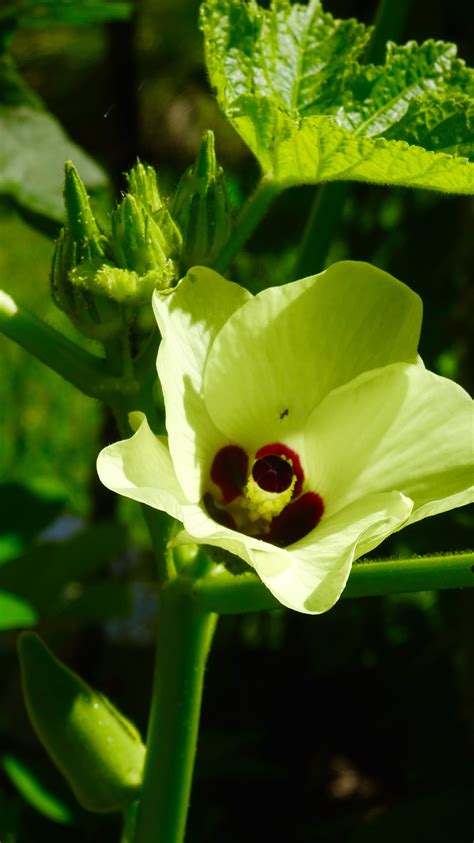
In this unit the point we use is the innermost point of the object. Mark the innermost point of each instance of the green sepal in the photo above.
(80, 221)
(95, 747)
(124, 285)
(95, 319)
(201, 207)
(145, 245)
(143, 185)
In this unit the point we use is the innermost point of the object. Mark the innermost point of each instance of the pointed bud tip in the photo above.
(206, 162)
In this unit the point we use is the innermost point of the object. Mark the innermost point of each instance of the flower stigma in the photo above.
(265, 501)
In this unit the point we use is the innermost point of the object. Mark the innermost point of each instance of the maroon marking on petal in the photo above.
(272, 473)
(229, 471)
(283, 451)
(222, 517)
(296, 520)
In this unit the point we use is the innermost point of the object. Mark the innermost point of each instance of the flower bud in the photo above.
(143, 185)
(80, 221)
(98, 751)
(80, 242)
(201, 207)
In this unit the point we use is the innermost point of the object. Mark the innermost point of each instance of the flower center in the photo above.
(267, 501)
(273, 473)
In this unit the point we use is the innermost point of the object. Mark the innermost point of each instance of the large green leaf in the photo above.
(315, 149)
(297, 56)
(290, 80)
(33, 150)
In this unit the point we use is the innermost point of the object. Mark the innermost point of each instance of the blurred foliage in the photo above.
(352, 726)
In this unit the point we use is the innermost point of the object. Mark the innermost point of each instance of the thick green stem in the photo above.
(74, 364)
(251, 214)
(227, 594)
(184, 636)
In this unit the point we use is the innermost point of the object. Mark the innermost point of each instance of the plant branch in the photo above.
(84, 370)
(322, 222)
(251, 214)
(228, 594)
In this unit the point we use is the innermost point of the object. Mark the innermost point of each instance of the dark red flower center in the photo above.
(275, 469)
(229, 471)
(273, 473)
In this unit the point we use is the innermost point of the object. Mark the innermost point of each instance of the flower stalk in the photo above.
(225, 593)
(184, 637)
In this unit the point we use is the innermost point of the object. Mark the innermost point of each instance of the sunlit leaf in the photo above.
(315, 149)
(292, 82)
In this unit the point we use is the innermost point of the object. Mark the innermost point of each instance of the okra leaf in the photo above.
(292, 81)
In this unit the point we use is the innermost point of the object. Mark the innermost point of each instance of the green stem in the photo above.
(228, 594)
(251, 214)
(74, 364)
(388, 26)
(322, 222)
(184, 636)
(129, 822)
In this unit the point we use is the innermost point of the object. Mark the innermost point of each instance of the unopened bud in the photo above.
(201, 207)
(143, 185)
(95, 747)
(80, 221)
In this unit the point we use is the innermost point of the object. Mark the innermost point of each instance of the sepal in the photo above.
(201, 207)
(143, 185)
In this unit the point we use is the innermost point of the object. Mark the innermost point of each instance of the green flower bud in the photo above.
(144, 245)
(80, 242)
(143, 185)
(201, 207)
(80, 221)
(98, 751)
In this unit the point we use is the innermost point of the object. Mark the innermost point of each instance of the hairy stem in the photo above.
(84, 370)
(227, 594)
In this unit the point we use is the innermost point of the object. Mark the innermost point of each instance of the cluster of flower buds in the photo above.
(148, 246)
(201, 207)
(92, 274)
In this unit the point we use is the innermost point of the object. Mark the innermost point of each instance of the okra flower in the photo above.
(302, 427)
